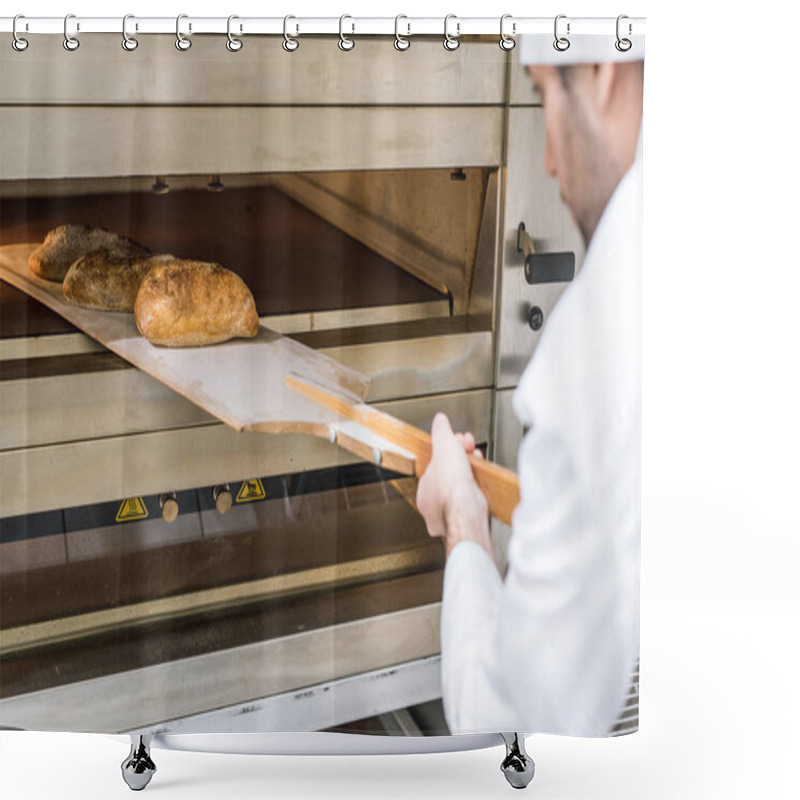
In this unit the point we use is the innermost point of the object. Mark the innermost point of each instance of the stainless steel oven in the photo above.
(372, 201)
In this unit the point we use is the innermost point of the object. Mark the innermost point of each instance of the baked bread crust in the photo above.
(106, 281)
(194, 303)
(67, 243)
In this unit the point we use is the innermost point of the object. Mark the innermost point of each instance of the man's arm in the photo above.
(448, 498)
(550, 648)
(455, 509)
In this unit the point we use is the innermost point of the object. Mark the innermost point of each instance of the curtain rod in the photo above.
(298, 26)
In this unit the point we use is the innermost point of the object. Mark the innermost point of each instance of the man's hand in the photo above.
(447, 496)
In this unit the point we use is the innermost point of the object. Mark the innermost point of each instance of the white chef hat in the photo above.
(586, 48)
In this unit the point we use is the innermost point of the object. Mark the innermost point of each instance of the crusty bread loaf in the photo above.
(191, 303)
(67, 243)
(108, 282)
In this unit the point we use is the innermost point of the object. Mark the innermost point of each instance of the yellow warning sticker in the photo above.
(131, 509)
(250, 491)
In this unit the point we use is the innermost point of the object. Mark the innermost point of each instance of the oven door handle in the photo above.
(544, 267)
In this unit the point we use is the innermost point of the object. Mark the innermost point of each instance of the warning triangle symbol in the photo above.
(131, 509)
(250, 491)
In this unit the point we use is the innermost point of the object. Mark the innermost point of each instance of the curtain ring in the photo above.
(70, 42)
(451, 43)
(561, 43)
(233, 44)
(506, 42)
(181, 42)
(345, 42)
(290, 43)
(400, 42)
(129, 43)
(18, 43)
(623, 45)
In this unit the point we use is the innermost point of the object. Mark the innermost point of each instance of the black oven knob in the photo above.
(535, 318)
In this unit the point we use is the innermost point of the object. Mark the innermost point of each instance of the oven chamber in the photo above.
(371, 200)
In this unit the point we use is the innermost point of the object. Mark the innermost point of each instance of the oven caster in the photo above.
(517, 766)
(138, 768)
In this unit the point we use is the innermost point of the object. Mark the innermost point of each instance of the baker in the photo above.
(552, 646)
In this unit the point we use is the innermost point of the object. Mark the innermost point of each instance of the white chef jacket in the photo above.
(551, 648)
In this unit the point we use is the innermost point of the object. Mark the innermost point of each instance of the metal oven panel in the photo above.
(140, 699)
(261, 73)
(321, 576)
(96, 470)
(533, 198)
(105, 142)
(258, 110)
(100, 396)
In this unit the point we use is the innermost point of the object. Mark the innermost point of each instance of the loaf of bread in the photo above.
(67, 243)
(106, 281)
(192, 303)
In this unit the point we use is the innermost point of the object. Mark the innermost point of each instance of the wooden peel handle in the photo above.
(499, 485)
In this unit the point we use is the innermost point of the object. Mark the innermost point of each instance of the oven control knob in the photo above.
(223, 499)
(535, 318)
(169, 506)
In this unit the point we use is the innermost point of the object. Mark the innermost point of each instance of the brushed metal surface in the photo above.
(262, 73)
(144, 698)
(533, 198)
(324, 705)
(96, 470)
(90, 141)
(506, 429)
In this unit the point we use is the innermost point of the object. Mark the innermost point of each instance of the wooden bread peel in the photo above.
(240, 382)
(248, 383)
(499, 485)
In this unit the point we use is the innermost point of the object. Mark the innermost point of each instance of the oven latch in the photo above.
(544, 267)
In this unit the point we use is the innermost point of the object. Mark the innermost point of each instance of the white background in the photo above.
(721, 482)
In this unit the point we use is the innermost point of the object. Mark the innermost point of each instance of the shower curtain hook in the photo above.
(233, 44)
(450, 42)
(400, 42)
(561, 43)
(506, 42)
(623, 45)
(290, 43)
(345, 42)
(70, 42)
(181, 42)
(129, 43)
(18, 43)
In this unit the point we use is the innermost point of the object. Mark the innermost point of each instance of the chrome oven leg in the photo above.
(138, 768)
(518, 766)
